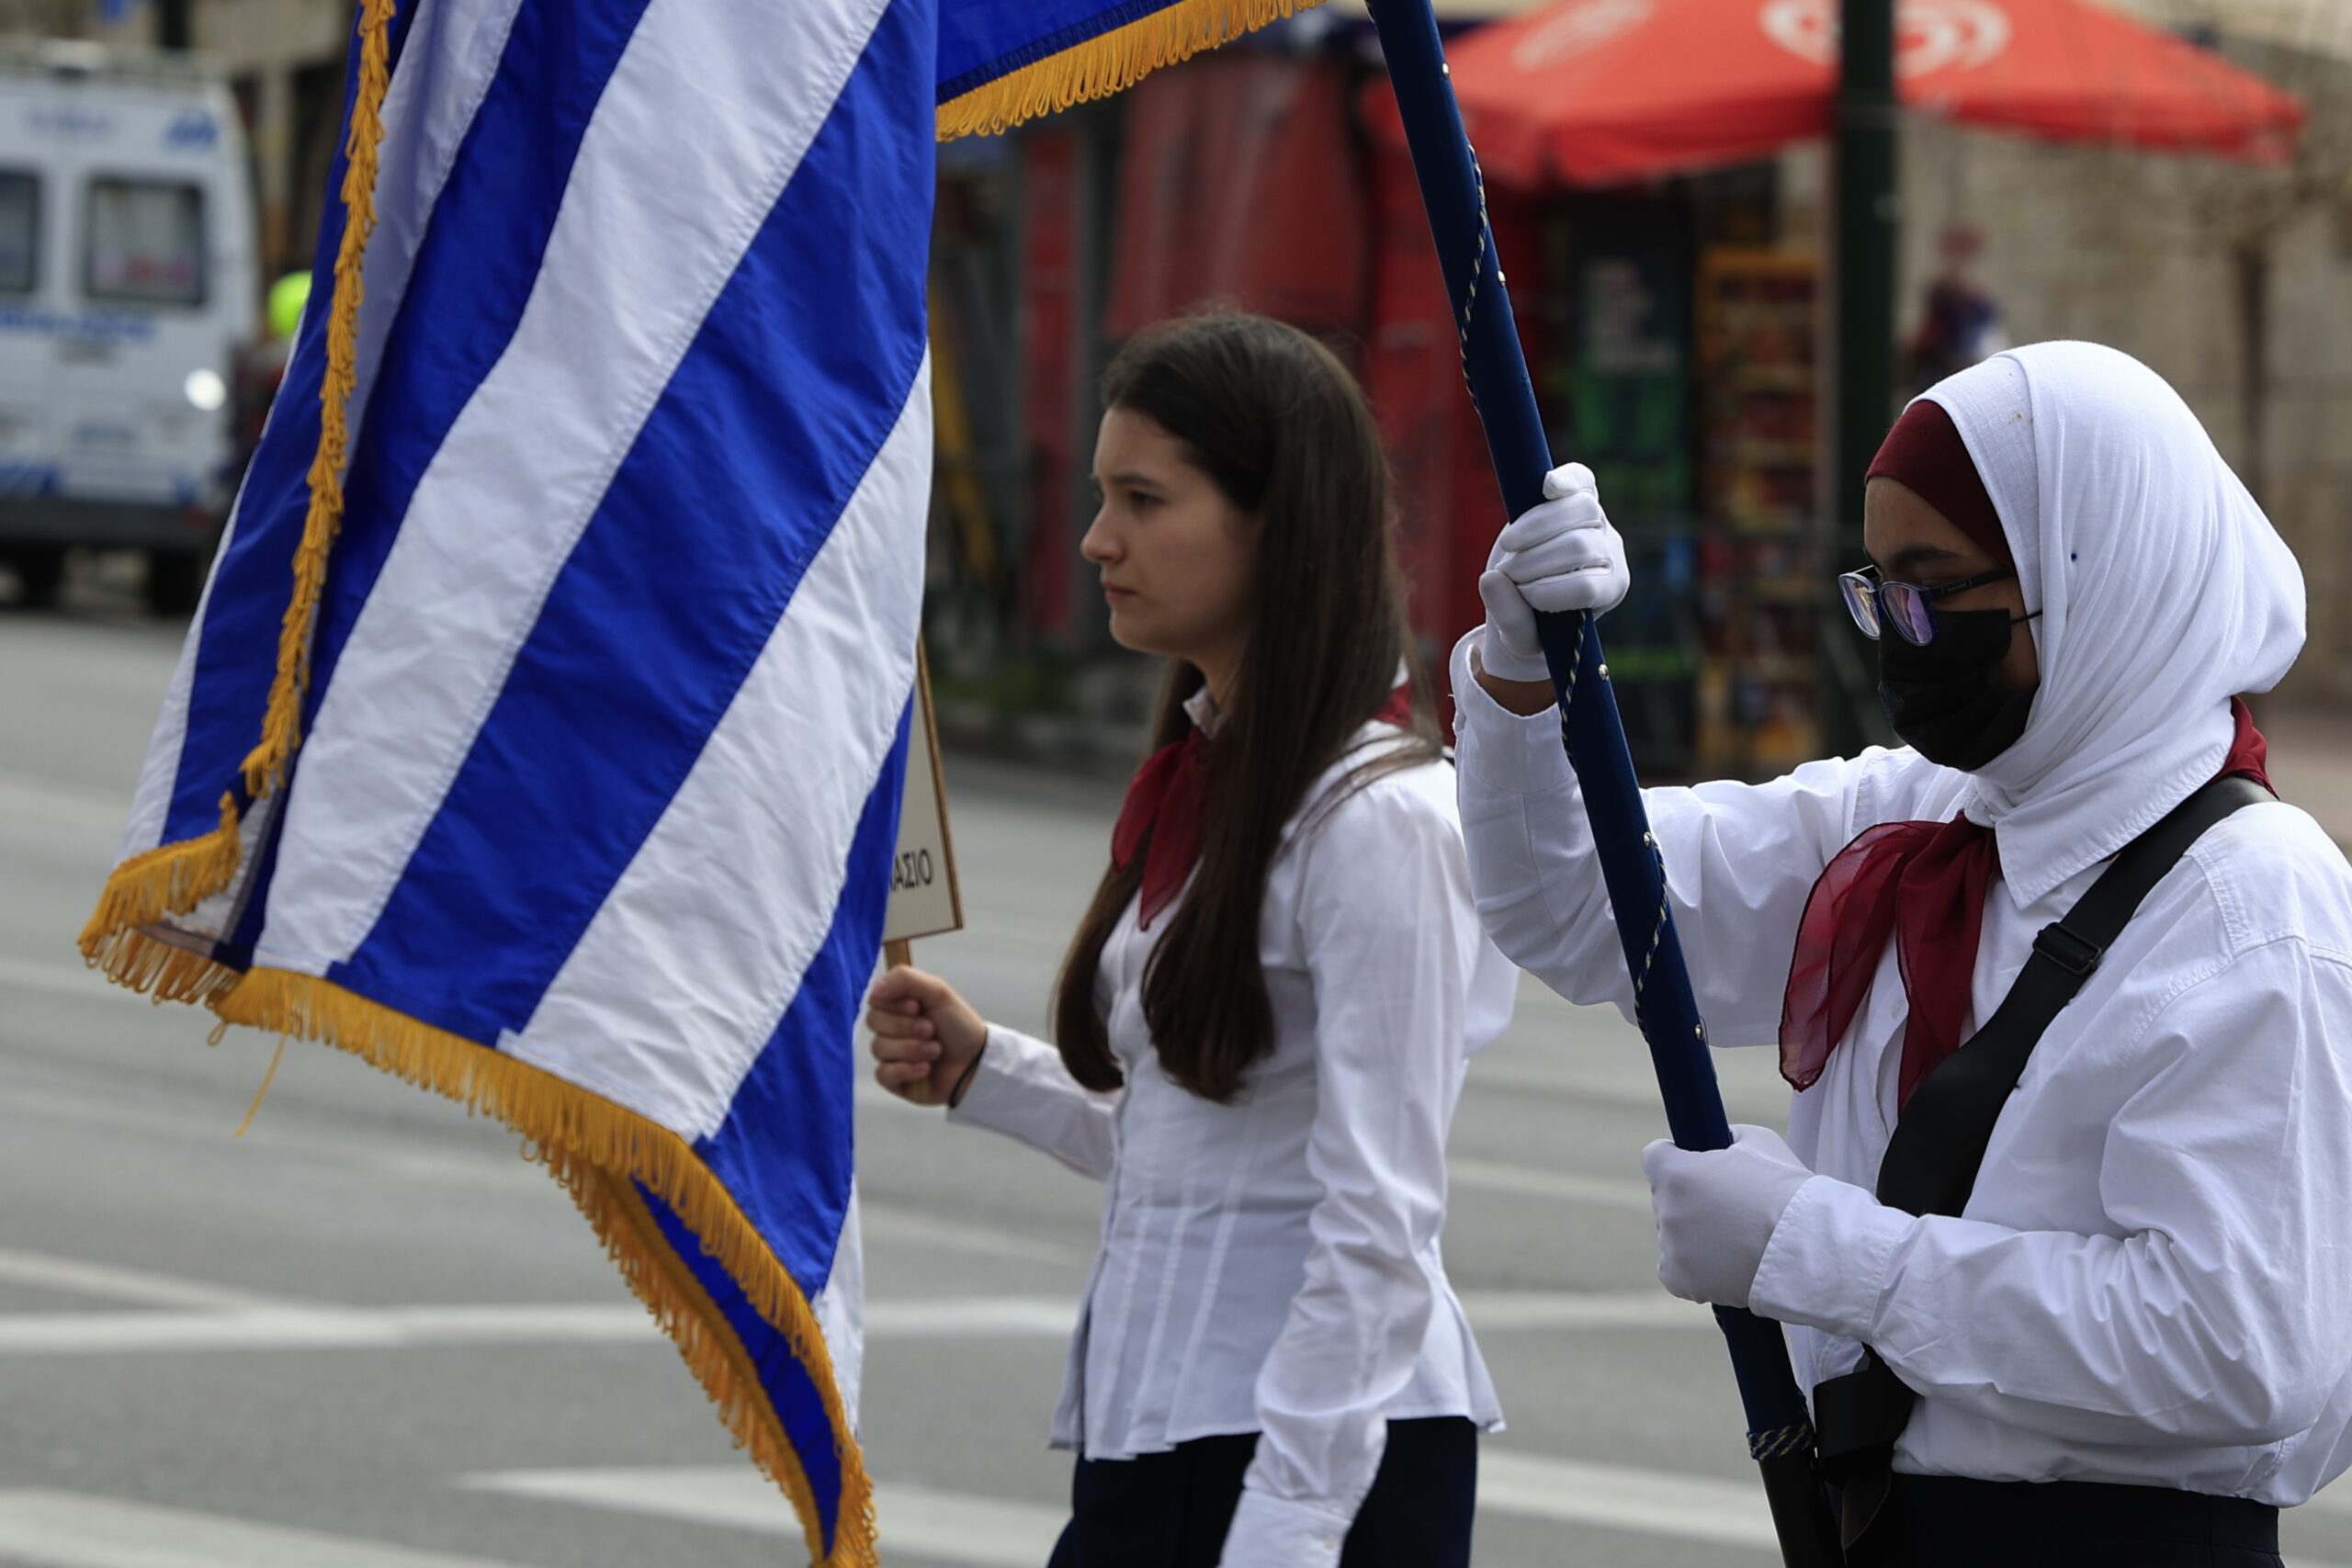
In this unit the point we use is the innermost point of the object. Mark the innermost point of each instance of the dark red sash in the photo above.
(1924, 884)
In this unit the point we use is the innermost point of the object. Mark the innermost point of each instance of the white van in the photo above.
(128, 292)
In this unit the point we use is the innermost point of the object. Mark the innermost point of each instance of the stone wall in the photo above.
(2152, 254)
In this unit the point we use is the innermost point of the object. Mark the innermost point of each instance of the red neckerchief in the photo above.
(1163, 810)
(1924, 882)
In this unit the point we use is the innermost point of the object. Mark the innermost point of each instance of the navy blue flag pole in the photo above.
(1779, 1433)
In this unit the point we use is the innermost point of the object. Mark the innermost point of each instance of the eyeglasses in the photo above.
(1909, 607)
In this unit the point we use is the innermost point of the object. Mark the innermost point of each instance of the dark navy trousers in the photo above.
(1170, 1510)
(1934, 1521)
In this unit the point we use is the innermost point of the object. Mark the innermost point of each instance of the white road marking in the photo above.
(952, 1526)
(138, 1285)
(217, 1317)
(320, 1328)
(299, 1326)
(66, 1530)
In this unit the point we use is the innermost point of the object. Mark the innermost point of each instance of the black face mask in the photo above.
(1946, 700)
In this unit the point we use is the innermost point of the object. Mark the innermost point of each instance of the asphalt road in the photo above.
(368, 1335)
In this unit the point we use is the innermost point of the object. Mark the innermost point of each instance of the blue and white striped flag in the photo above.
(541, 733)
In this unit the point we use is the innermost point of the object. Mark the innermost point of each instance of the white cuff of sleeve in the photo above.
(994, 1099)
(1830, 1259)
(1274, 1532)
(1499, 747)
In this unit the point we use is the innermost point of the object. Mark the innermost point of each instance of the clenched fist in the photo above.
(926, 1038)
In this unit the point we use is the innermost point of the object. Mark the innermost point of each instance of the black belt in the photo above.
(1932, 1518)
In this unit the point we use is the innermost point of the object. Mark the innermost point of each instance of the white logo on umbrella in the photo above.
(1929, 35)
(1577, 29)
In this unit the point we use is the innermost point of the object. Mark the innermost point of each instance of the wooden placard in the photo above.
(924, 897)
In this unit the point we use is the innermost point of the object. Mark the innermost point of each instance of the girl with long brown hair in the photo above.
(1261, 1024)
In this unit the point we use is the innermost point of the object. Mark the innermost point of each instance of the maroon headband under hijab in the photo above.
(1925, 453)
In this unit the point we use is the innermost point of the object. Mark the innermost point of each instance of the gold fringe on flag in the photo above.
(162, 971)
(168, 880)
(1109, 63)
(634, 1241)
(597, 1149)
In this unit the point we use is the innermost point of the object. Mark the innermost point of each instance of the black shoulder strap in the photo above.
(1931, 1161)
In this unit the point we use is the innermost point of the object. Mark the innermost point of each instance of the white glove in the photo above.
(1716, 1211)
(1561, 554)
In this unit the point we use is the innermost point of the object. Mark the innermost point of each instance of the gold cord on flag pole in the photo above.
(265, 768)
(175, 877)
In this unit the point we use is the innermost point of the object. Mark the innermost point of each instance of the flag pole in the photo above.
(1779, 1433)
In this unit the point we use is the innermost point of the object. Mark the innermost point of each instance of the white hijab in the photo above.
(2164, 591)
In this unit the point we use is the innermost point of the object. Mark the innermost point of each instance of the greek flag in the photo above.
(541, 733)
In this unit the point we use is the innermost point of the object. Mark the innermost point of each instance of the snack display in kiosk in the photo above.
(1758, 562)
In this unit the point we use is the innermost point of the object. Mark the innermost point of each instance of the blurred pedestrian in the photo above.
(1262, 1022)
(261, 369)
(1959, 324)
(2125, 1335)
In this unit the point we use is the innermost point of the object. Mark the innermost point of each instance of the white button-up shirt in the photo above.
(2152, 1283)
(1272, 1266)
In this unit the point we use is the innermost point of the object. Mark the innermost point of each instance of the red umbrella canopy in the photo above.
(1599, 91)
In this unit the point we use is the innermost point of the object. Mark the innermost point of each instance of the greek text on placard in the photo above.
(911, 868)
